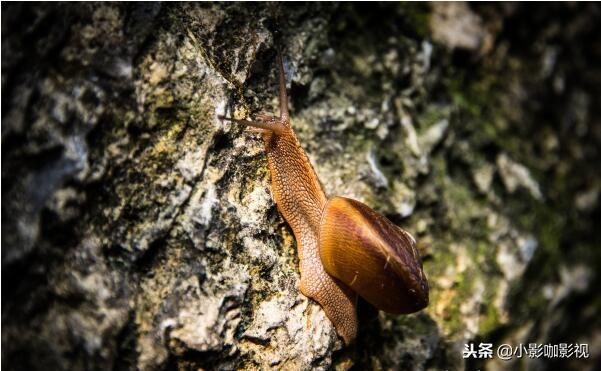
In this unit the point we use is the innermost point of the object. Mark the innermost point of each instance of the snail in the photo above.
(345, 248)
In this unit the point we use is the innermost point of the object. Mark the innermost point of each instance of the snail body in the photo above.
(345, 248)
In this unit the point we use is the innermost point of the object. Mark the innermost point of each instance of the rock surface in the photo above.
(138, 230)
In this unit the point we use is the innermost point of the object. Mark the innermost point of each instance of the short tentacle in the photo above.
(266, 122)
(270, 125)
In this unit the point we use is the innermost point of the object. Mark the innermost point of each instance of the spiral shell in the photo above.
(372, 256)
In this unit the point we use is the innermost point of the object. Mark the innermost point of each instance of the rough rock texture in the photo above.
(138, 231)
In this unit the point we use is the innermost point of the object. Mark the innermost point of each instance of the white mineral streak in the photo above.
(456, 26)
(483, 177)
(411, 136)
(209, 322)
(192, 164)
(433, 135)
(515, 175)
(290, 333)
(403, 198)
(379, 177)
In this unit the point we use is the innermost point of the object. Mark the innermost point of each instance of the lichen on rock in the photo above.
(139, 232)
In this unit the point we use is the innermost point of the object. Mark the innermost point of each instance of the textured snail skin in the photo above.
(300, 199)
(376, 257)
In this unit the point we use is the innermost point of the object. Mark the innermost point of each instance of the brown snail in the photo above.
(345, 248)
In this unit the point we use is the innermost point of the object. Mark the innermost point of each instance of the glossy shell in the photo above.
(374, 257)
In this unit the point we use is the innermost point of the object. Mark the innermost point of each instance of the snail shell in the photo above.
(374, 257)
